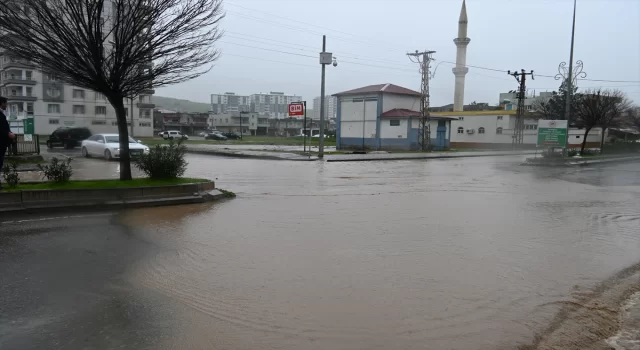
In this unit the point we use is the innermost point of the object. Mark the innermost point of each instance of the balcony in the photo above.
(16, 63)
(17, 80)
(146, 105)
(21, 97)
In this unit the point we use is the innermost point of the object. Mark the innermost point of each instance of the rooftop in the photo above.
(471, 113)
(388, 88)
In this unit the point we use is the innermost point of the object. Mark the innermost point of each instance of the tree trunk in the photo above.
(584, 140)
(123, 131)
(602, 140)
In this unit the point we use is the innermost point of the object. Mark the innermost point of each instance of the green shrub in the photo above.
(58, 171)
(164, 162)
(590, 152)
(10, 175)
(573, 152)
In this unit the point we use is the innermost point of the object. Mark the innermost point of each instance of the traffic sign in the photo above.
(552, 133)
(296, 109)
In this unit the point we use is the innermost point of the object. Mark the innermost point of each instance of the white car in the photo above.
(173, 134)
(108, 146)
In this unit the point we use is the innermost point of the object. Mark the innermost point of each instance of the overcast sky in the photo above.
(370, 39)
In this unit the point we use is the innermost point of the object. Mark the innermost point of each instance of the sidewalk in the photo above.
(410, 156)
(254, 154)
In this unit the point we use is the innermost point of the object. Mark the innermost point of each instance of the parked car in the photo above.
(173, 134)
(232, 136)
(68, 137)
(108, 146)
(203, 134)
(215, 136)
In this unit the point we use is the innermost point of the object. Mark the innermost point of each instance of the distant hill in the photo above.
(178, 105)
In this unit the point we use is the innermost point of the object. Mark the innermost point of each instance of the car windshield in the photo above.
(116, 139)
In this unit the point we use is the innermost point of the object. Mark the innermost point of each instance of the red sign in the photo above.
(296, 109)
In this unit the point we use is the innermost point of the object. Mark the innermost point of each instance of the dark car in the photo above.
(68, 137)
(215, 136)
(232, 136)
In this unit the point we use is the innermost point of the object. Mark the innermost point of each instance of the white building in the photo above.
(510, 100)
(495, 130)
(54, 103)
(247, 123)
(330, 107)
(229, 102)
(273, 104)
(385, 116)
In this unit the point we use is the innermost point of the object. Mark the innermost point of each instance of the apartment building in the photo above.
(273, 104)
(53, 103)
(330, 107)
(229, 102)
(247, 123)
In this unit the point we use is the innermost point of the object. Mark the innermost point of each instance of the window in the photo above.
(78, 109)
(100, 96)
(460, 118)
(394, 123)
(499, 117)
(460, 130)
(77, 93)
(531, 127)
(53, 108)
(69, 122)
(54, 121)
(98, 122)
(102, 110)
(51, 77)
(480, 130)
(29, 75)
(144, 124)
(145, 113)
(53, 92)
(29, 107)
(29, 91)
(499, 131)
(114, 123)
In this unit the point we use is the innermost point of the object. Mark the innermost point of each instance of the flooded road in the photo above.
(475, 253)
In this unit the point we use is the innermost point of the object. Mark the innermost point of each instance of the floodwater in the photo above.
(477, 253)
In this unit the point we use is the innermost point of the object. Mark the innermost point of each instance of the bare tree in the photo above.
(544, 108)
(592, 108)
(120, 48)
(616, 105)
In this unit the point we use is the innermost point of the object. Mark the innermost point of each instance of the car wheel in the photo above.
(49, 144)
(84, 152)
(107, 155)
(170, 137)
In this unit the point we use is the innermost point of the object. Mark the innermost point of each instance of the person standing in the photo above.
(6, 136)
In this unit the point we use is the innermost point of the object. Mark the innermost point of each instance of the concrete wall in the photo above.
(388, 131)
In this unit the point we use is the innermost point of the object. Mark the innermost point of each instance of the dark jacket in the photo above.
(4, 130)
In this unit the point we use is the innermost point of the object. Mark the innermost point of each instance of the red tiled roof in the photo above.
(400, 113)
(407, 113)
(385, 88)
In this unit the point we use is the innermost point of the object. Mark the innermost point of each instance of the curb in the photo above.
(115, 198)
(584, 162)
(250, 156)
(423, 157)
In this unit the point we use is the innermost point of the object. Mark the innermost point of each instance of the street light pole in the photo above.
(325, 58)
(567, 108)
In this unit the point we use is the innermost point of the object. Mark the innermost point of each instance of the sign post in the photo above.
(297, 109)
(28, 128)
(552, 133)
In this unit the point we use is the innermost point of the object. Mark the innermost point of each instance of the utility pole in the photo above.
(325, 58)
(518, 131)
(567, 110)
(131, 117)
(424, 60)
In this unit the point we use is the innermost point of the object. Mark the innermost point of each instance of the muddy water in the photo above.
(455, 254)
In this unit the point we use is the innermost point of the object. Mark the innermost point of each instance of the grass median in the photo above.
(103, 184)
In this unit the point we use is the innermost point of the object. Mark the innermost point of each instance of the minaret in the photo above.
(460, 70)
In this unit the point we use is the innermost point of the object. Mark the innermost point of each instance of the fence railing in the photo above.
(20, 146)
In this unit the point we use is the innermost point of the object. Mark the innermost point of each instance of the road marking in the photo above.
(55, 218)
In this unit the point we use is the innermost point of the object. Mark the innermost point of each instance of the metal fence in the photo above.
(20, 146)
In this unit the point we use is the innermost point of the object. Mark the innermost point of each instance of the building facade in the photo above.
(247, 123)
(385, 116)
(330, 107)
(509, 100)
(53, 103)
(186, 123)
(273, 104)
(495, 130)
(229, 102)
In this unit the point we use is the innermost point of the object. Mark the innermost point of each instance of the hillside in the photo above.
(178, 105)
